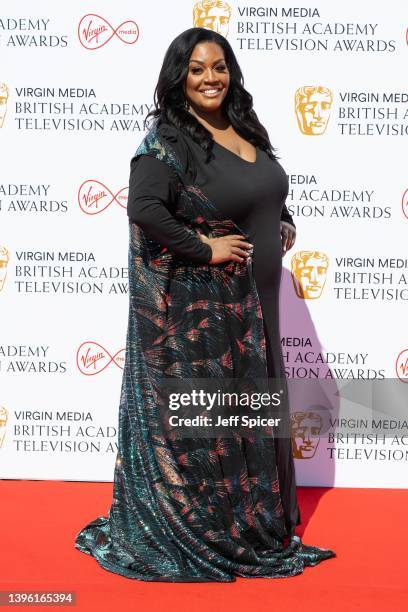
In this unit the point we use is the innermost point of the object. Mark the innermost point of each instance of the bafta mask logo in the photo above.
(309, 271)
(213, 15)
(401, 366)
(3, 423)
(404, 203)
(4, 94)
(312, 108)
(4, 259)
(305, 433)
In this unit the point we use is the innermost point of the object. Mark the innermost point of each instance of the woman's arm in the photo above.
(151, 188)
(288, 230)
(286, 216)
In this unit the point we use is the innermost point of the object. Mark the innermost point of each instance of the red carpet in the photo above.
(366, 527)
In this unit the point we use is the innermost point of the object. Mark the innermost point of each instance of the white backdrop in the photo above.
(77, 82)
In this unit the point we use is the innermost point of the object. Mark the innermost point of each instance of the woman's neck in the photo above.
(214, 120)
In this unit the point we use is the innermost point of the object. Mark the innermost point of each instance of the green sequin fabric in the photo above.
(191, 509)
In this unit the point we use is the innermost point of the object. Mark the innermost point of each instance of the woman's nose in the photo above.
(210, 75)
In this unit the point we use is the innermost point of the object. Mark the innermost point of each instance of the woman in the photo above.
(206, 194)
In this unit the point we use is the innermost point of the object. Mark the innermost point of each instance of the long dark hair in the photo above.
(169, 98)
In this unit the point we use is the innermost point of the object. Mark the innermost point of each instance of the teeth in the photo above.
(210, 91)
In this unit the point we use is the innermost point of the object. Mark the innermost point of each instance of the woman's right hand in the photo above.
(231, 247)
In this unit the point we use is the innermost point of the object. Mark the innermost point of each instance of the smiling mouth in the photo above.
(210, 92)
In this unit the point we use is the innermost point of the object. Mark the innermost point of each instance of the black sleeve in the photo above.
(286, 216)
(151, 192)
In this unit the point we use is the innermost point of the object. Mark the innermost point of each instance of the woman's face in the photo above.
(207, 80)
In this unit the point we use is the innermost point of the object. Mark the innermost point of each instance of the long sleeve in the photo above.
(286, 216)
(151, 191)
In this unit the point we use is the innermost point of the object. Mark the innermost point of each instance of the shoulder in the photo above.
(149, 158)
(169, 132)
(149, 172)
(187, 151)
(166, 140)
(176, 143)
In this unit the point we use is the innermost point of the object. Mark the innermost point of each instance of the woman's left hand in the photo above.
(288, 235)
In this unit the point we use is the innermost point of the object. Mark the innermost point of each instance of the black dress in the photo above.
(253, 196)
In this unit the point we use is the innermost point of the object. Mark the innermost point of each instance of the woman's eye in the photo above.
(198, 70)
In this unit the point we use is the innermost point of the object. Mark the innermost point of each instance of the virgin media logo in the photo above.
(404, 203)
(94, 197)
(92, 358)
(94, 32)
(401, 366)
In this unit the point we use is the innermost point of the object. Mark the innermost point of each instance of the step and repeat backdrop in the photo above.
(330, 84)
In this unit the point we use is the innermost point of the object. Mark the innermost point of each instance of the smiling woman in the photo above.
(206, 87)
(216, 77)
(208, 226)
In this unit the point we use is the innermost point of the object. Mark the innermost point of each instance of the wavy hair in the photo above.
(170, 102)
